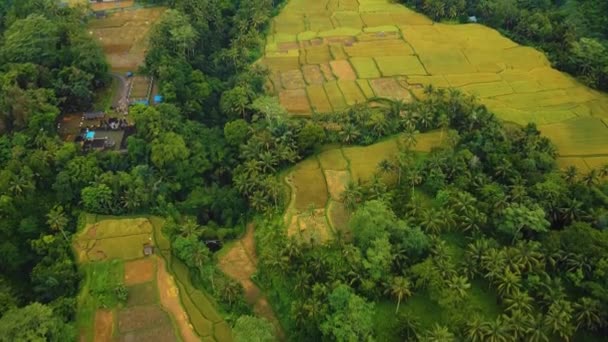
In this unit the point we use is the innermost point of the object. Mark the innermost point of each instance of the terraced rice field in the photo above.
(325, 55)
(162, 304)
(316, 210)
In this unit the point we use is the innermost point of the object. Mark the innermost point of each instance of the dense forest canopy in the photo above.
(490, 210)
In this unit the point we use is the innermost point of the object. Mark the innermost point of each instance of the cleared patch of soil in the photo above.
(139, 271)
(140, 317)
(162, 333)
(104, 322)
(169, 299)
(142, 294)
(240, 264)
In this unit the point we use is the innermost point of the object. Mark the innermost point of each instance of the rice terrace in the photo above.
(328, 54)
(132, 257)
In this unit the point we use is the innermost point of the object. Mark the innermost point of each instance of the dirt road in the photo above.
(169, 299)
(240, 264)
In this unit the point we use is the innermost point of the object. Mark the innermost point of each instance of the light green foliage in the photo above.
(31, 40)
(33, 323)
(236, 132)
(252, 329)
(517, 219)
(169, 150)
(97, 198)
(350, 317)
(379, 258)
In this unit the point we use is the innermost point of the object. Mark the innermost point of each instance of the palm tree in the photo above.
(444, 123)
(538, 330)
(508, 283)
(386, 166)
(415, 178)
(432, 221)
(349, 133)
(459, 285)
(603, 171)
(19, 184)
(519, 301)
(352, 195)
(494, 262)
(190, 228)
(498, 330)
(439, 333)
(57, 220)
(267, 162)
(475, 252)
(519, 323)
(588, 313)
(409, 137)
(559, 318)
(591, 178)
(399, 287)
(528, 256)
(570, 174)
(475, 329)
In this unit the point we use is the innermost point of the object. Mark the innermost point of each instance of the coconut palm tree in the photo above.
(438, 333)
(400, 288)
(57, 220)
(588, 314)
(559, 319)
(352, 195)
(498, 330)
(570, 174)
(474, 331)
(538, 331)
(519, 301)
(409, 137)
(267, 162)
(508, 283)
(431, 221)
(603, 171)
(349, 133)
(591, 178)
(528, 255)
(459, 285)
(190, 228)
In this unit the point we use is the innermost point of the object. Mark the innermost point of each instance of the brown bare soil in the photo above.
(104, 324)
(390, 88)
(336, 183)
(124, 36)
(139, 271)
(313, 74)
(162, 333)
(292, 79)
(240, 264)
(295, 101)
(343, 70)
(141, 317)
(98, 6)
(169, 299)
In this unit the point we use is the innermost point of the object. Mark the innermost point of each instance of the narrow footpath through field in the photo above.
(169, 299)
(240, 263)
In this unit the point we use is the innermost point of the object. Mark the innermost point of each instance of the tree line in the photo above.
(533, 235)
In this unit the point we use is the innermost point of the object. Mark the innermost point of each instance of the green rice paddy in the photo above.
(378, 48)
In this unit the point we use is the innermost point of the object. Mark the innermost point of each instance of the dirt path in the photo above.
(169, 299)
(240, 264)
(122, 91)
(104, 324)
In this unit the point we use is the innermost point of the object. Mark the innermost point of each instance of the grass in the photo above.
(579, 137)
(399, 65)
(310, 185)
(104, 97)
(365, 67)
(333, 160)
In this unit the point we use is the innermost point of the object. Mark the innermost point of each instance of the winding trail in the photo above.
(122, 91)
(240, 263)
(169, 298)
